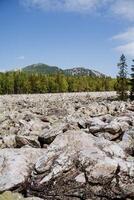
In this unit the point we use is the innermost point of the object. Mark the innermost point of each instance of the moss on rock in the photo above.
(11, 196)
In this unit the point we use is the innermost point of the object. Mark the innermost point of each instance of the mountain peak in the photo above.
(83, 71)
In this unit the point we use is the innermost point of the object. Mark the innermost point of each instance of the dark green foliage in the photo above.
(20, 82)
(122, 81)
(132, 83)
(42, 68)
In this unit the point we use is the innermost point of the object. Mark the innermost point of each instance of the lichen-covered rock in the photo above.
(11, 196)
(15, 196)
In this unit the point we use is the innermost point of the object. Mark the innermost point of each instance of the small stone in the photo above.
(80, 178)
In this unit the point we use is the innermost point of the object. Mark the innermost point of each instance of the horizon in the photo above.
(62, 68)
(86, 33)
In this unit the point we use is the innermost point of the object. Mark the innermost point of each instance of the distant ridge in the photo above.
(46, 69)
(41, 68)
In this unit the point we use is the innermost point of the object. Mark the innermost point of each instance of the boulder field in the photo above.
(77, 146)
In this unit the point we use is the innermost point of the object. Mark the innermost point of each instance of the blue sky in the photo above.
(66, 33)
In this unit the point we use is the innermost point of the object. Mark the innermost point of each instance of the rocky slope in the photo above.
(77, 146)
(81, 71)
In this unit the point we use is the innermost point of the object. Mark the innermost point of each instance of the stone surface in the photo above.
(76, 146)
(15, 166)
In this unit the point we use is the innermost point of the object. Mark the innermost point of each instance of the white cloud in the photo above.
(127, 49)
(124, 8)
(127, 38)
(121, 8)
(66, 5)
(21, 57)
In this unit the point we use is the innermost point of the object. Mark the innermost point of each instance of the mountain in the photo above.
(46, 69)
(83, 71)
(41, 68)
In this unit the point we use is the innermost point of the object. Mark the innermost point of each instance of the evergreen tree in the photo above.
(132, 83)
(122, 82)
(62, 83)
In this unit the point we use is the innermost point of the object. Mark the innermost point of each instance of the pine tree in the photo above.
(122, 82)
(132, 83)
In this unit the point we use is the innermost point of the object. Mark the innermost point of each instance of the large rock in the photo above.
(15, 166)
(113, 128)
(127, 142)
(33, 127)
(50, 134)
(16, 141)
(80, 165)
(96, 125)
(7, 141)
(108, 127)
(116, 107)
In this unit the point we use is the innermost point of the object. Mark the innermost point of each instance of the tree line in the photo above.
(20, 82)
